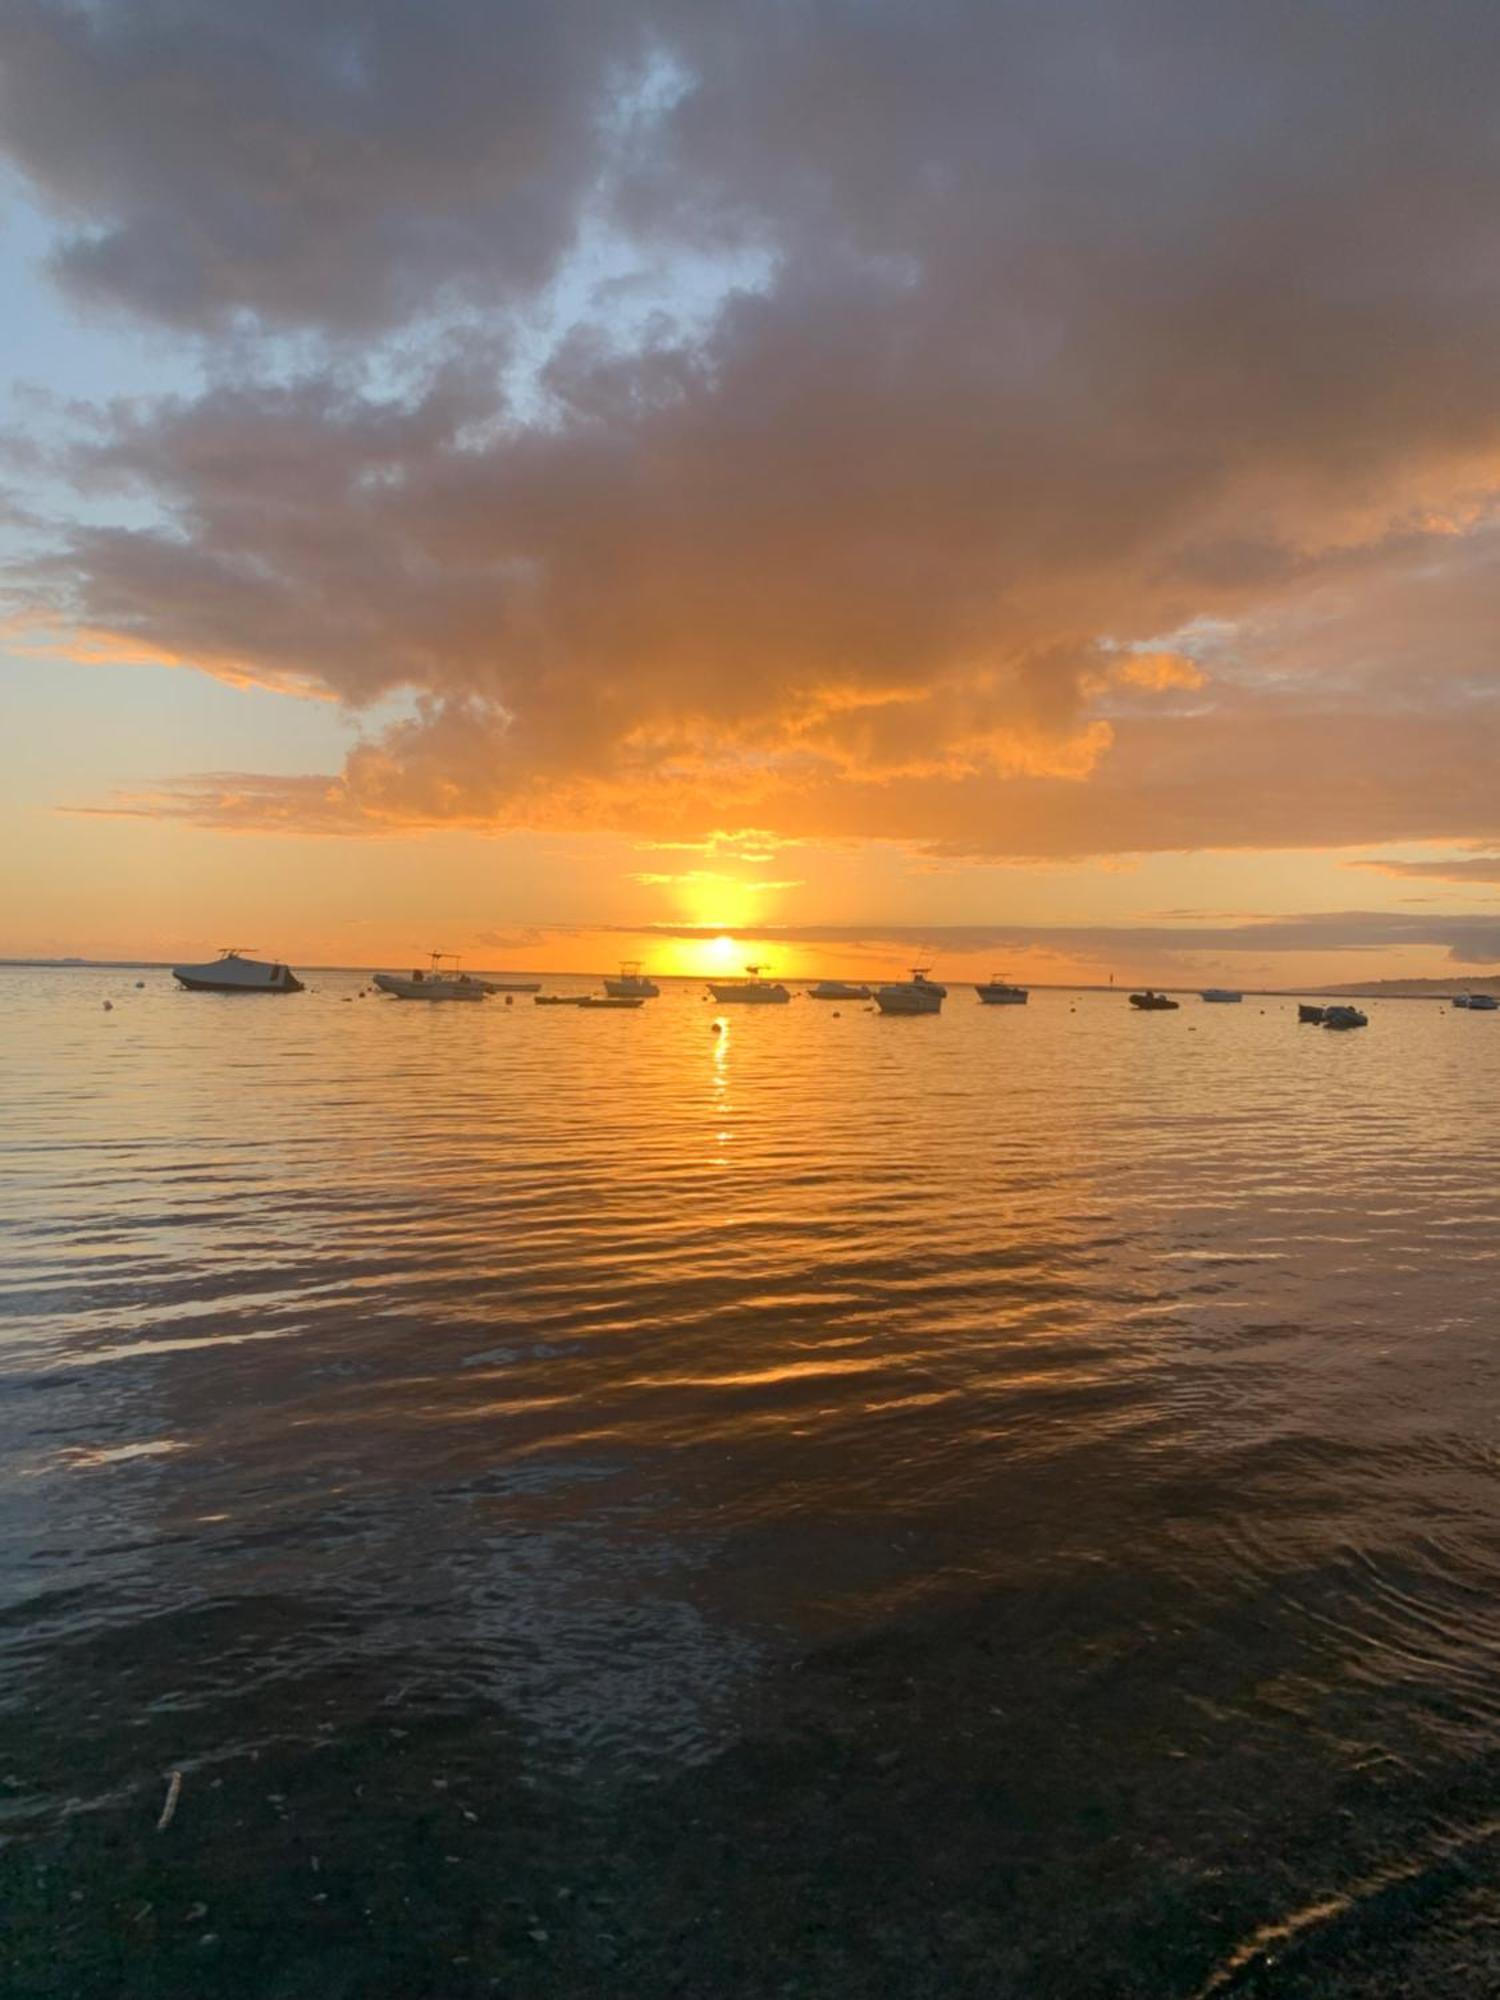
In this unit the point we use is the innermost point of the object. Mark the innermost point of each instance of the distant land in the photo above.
(1365, 989)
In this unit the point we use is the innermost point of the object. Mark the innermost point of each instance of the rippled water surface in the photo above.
(1001, 1504)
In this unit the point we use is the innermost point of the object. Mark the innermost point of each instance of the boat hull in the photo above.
(1153, 1003)
(429, 989)
(237, 975)
(1004, 997)
(749, 996)
(908, 1000)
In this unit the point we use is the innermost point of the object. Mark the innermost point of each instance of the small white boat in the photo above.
(837, 989)
(1224, 995)
(232, 972)
(752, 990)
(998, 992)
(632, 984)
(1481, 1003)
(435, 983)
(917, 995)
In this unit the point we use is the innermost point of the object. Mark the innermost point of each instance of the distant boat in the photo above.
(435, 983)
(616, 1002)
(1153, 1003)
(1310, 1016)
(632, 984)
(508, 985)
(559, 1000)
(1344, 1017)
(837, 989)
(752, 990)
(232, 972)
(997, 992)
(917, 995)
(1482, 1003)
(1224, 995)
(1462, 1000)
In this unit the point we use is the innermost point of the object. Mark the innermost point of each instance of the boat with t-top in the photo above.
(441, 979)
(632, 984)
(917, 995)
(233, 972)
(998, 992)
(751, 991)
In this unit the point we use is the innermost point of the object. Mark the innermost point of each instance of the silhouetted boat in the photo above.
(998, 992)
(632, 983)
(1312, 1016)
(615, 1002)
(1223, 995)
(837, 989)
(751, 991)
(232, 972)
(1152, 1003)
(917, 995)
(433, 983)
(558, 999)
(1344, 1017)
(1481, 1003)
(509, 985)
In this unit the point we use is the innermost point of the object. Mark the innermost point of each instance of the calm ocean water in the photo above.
(1005, 1503)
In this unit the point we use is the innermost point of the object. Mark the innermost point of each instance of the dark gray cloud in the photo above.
(1467, 940)
(1075, 324)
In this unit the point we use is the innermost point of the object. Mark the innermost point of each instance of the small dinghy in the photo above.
(1150, 1002)
(559, 1000)
(613, 1003)
(232, 972)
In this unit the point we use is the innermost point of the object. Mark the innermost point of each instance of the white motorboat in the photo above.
(233, 972)
(752, 990)
(917, 995)
(632, 984)
(1225, 996)
(435, 983)
(837, 989)
(998, 992)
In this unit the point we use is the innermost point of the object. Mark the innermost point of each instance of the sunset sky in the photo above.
(857, 482)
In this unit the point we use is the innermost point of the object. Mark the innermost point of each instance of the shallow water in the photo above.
(1005, 1502)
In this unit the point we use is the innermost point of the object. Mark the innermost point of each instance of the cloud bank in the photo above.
(1031, 429)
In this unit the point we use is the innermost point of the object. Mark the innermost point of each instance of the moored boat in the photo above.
(1482, 1003)
(1223, 996)
(507, 985)
(1151, 1002)
(433, 983)
(998, 992)
(559, 999)
(1310, 1016)
(837, 989)
(751, 990)
(619, 1003)
(917, 995)
(632, 984)
(233, 972)
(1344, 1017)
